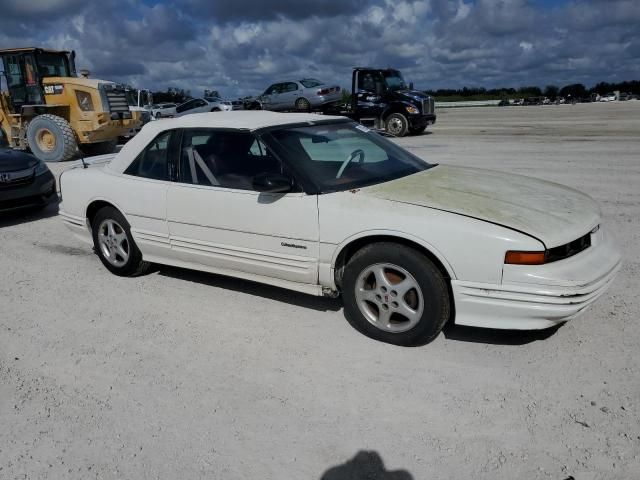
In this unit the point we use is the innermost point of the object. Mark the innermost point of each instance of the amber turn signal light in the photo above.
(524, 258)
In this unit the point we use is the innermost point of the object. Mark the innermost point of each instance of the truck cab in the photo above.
(381, 98)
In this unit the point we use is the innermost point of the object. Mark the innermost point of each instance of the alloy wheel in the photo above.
(389, 297)
(114, 243)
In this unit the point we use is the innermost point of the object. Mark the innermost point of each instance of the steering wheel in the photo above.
(356, 153)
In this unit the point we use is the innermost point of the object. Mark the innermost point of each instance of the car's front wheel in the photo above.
(395, 294)
(114, 244)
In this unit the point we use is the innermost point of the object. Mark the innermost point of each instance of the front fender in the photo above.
(397, 234)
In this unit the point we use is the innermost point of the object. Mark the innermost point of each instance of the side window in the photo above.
(153, 161)
(290, 87)
(15, 80)
(224, 159)
(270, 90)
(366, 82)
(185, 106)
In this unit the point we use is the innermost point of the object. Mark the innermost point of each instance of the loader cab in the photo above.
(24, 69)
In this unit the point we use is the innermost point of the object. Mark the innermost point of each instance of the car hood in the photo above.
(550, 212)
(11, 161)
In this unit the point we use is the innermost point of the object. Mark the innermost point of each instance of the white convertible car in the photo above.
(324, 206)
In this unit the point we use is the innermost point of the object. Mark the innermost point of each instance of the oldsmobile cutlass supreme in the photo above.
(324, 206)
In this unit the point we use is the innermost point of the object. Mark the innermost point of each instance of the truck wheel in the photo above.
(51, 138)
(397, 124)
(303, 105)
(395, 294)
(100, 148)
(417, 130)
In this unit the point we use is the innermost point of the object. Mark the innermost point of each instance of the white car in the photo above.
(163, 110)
(201, 105)
(322, 205)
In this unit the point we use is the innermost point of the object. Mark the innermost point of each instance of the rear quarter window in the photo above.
(153, 161)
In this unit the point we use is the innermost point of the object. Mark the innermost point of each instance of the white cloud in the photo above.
(242, 46)
(526, 46)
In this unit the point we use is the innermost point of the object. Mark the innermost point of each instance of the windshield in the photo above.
(311, 82)
(394, 80)
(342, 156)
(52, 65)
(132, 98)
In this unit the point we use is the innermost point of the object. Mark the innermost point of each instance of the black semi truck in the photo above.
(382, 100)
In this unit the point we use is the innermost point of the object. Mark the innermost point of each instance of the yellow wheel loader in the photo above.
(46, 108)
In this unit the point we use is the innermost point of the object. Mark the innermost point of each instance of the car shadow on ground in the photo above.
(252, 288)
(451, 331)
(496, 337)
(365, 465)
(28, 215)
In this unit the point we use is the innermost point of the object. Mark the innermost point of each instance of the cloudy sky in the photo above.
(241, 46)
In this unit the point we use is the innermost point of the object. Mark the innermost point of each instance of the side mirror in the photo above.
(410, 85)
(272, 183)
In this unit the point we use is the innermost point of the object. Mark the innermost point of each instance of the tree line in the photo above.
(171, 95)
(574, 90)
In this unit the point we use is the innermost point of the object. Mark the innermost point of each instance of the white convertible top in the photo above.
(241, 120)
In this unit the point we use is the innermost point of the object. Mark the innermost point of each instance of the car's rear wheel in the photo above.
(114, 244)
(395, 294)
(397, 124)
(303, 105)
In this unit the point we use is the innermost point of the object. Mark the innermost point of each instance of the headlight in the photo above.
(84, 101)
(412, 109)
(41, 168)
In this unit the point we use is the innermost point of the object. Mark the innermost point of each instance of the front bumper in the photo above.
(102, 128)
(419, 121)
(554, 293)
(40, 192)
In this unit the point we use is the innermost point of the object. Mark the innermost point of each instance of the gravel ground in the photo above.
(183, 375)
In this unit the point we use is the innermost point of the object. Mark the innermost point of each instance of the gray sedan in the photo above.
(303, 95)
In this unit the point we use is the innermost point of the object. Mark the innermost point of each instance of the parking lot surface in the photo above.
(185, 375)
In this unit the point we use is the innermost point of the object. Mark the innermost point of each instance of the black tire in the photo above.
(100, 148)
(417, 130)
(51, 138)
(134, 265)
(303, 105)
(397, 124)
(215, 109)
(433, 294)
(253, 105)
